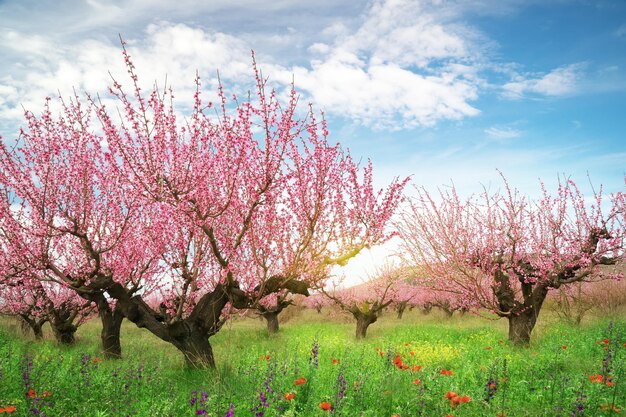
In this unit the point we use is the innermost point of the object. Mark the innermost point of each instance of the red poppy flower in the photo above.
(464, 399)
(413, 353)
(450, 394)
(335, 361)
(96, 360)
(45, 394)
(446, 372)
(609, 383)
(267, 358)
(417, 382)
(596, 379)
(605, 341)
(8, 409)
(563, 347)
(416, 368)
(300, 381)
(406, 344)
(31, 393)
(325, 405)
(289, 396)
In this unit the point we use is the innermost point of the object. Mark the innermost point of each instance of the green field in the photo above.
(563, 373)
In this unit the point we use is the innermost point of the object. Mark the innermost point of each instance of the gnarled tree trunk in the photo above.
(111, 320)
(271, 318)
(110, 334)
(36, 325)
(64, 330)
(428, 307)
(270, 314)
(363, 320)
(400, 308)
(195, 346)
(522, 324)
(189, 335)
(522, 317)
(520, 329)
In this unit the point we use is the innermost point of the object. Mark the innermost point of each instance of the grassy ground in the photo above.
(256, 372)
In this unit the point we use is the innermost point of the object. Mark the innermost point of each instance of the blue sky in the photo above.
(440, 90)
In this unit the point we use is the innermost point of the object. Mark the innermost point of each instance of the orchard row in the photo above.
(172, 221)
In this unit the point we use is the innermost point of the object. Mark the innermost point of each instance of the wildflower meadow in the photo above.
(151, 246)
(417, 366)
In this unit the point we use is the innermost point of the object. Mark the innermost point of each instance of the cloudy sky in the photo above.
(440, 90)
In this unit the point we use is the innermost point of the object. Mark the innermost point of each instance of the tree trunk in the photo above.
(62, 322)
(523, 318)
(428, 307)
(196, 349)
(271, 317)
(110, 334)
(37, 330)
(363, 320)
(33, 324)
(189, 335)
(111, 320)
(520, 329)
(401, 307)
(522, 324)
(64, 332)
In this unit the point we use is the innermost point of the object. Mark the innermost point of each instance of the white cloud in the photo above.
(502, 133)
(399, 66)
(561, 81)
(171, 50)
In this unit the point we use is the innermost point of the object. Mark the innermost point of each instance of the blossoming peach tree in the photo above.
(35, 302)
(67, 217)
(367, 301)
(238, 200)
(504, 252)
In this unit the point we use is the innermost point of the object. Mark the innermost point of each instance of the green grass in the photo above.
(542, 380)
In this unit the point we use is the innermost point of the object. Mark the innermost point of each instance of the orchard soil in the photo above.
(421, 365)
